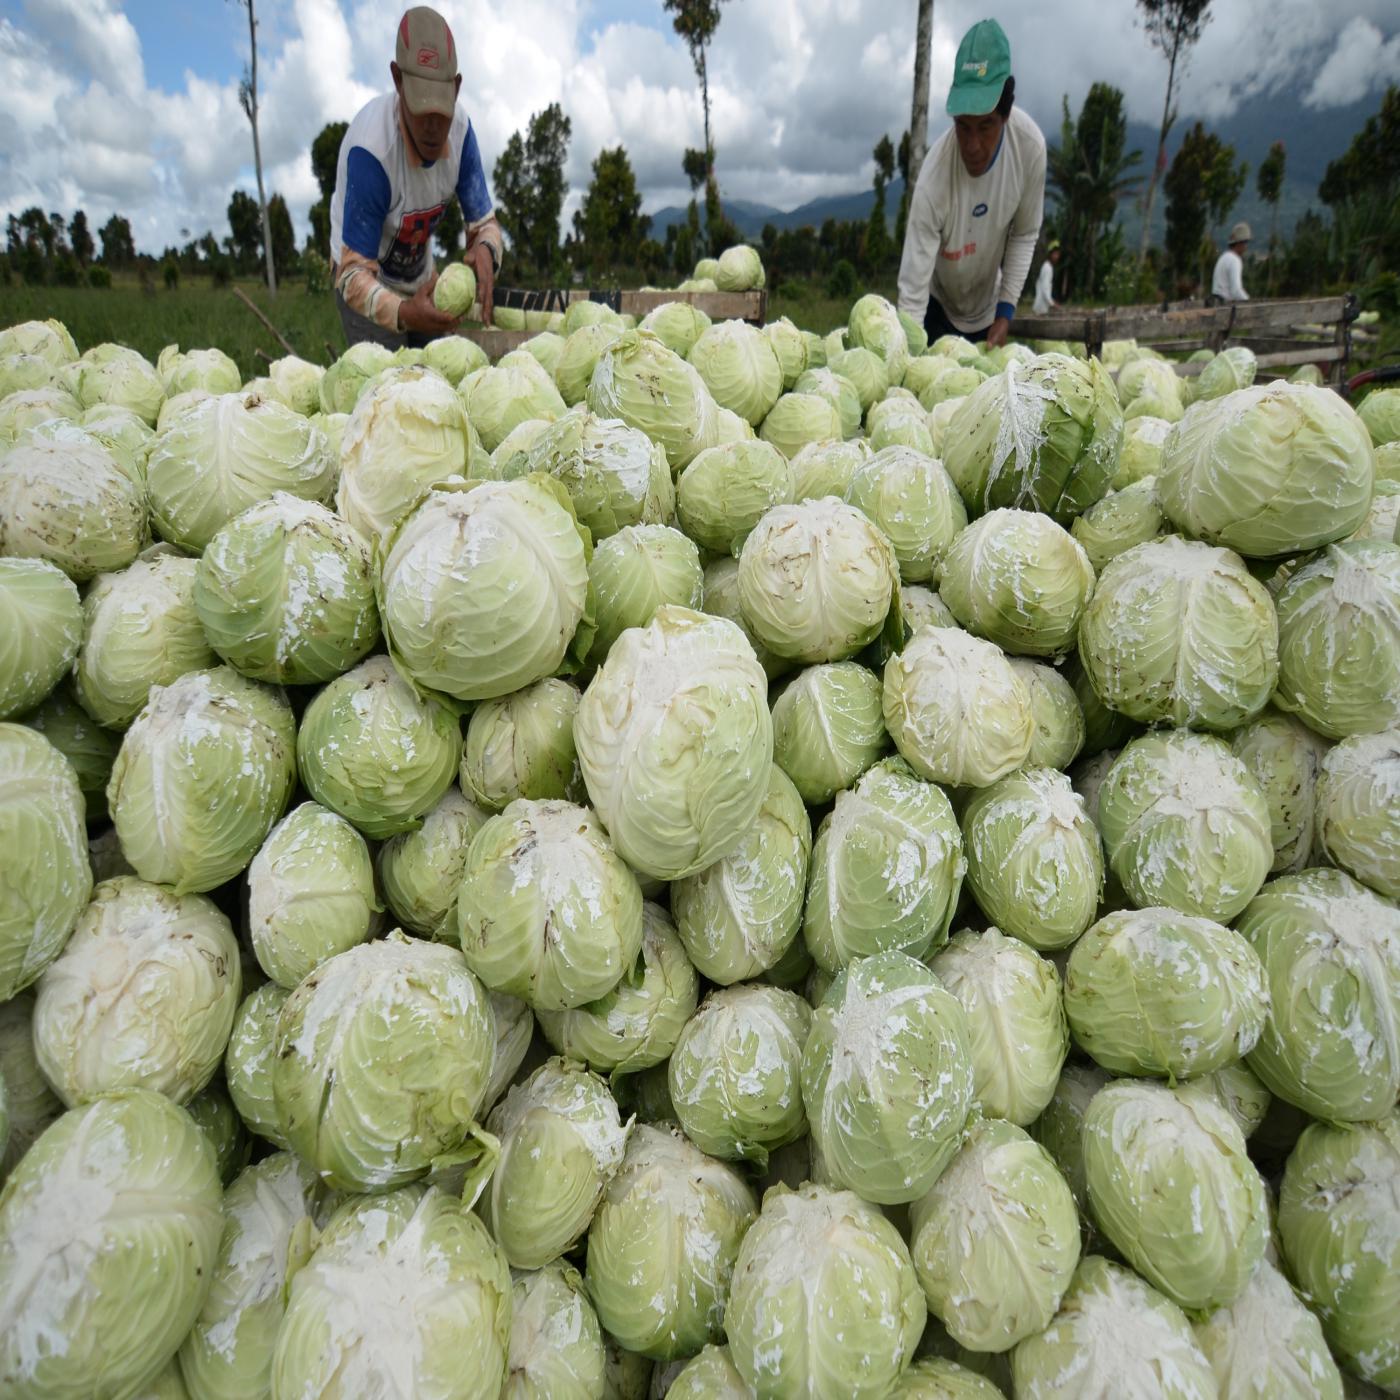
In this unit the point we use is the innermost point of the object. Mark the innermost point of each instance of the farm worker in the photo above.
(1227, 281)
(404, 156)
(1045, 283)
(978, 202)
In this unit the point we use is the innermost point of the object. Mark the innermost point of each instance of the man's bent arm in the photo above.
(1020, 243)
(357, 273)
(921, 244)
(357, 281)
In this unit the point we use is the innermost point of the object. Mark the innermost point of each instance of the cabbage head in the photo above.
(1331, 953)
(114, 374)
(738, 269)
(547, 910)
(1060, 1127)
(817, 581)
(1231, 370)
(582, 350)
(310, 893)
(142, 996)
(1034, 862)
(72, 504)
(50, 340)
(799, 419)
(956, 710)
(1358, 809)
(722, 600)
(677, 325)
(508, 394)
(1380, 412)
(841, 394)
(455, 289)
(204, 771)
(1152, 992)
(109, 1233)
(887, 868)
(1285, 758)
(348, 732)
(141, 628)
(887, 1078)
(864, 369)
(522, 745)
(45, 878)
(675, 742)
(1339, 1222)
(1017, 1036)
(1180, 632)
(1339, 640)
(995, 1240)
(874, 325)
(1114, 1335)
(381, 1061)
(1141, 454)
(562, 1141)
(408, 432)
(556, 1345)
(249, 1058)
(1270, 471)
(1185, 826)
(229, 452)
(651, 388)
(483, 587)
(726, 490)
(1039, 437)
(739, 367)
(662, 1246)
(1171, 1187)
(828, 728)
(1124, 518)
(790, 346)
(636, 1024)
(735, 1074)
(810, 1254)
(410, 1273)
(1018, 579)
(41, 627)
(211, 370)
(285, 592)
(296, 383)
(739, 916)
(908, 495)
(1056, 714)
(420, 870)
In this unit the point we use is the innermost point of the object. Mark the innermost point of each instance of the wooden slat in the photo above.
(1156, 323)
(718, 306)
(496, 342)
(1314, 355)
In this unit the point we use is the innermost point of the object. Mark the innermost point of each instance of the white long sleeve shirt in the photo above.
(1044, 289)
(1227, 282)
(969, 240)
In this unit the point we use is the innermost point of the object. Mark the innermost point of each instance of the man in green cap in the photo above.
(978, 203)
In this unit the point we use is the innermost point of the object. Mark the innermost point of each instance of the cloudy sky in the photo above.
(134, 106)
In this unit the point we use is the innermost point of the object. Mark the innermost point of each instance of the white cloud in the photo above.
(801, 90)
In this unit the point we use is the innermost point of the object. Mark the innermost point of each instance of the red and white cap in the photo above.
(427, 58)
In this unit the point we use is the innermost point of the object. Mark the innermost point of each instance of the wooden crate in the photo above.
(718, 306)
(1271, 328)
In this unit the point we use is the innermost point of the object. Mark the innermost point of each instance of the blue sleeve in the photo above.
(1005, 311)
(471, 181)
(366, 203)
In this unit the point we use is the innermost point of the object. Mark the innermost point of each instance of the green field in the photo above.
(200, 314)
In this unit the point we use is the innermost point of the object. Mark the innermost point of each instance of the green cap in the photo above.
(983, 65)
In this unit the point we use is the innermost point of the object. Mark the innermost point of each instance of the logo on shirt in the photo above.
(978, 211)
(956, 254)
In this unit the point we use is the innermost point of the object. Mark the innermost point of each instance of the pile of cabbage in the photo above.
(696, 860)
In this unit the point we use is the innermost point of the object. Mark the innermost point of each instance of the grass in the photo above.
(195, 314)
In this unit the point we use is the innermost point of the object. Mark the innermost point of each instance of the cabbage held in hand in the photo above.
(455, 290)
(484, 587)
(675, 742)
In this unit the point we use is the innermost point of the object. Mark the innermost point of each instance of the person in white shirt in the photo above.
(1227, 281)
(1045, 283)
(978, 202)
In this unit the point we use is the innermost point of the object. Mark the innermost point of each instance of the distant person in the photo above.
(1227, 281)
(404, 156)
(1045, 283)
(978, 202)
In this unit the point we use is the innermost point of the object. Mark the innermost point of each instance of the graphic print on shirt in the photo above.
(406, 258)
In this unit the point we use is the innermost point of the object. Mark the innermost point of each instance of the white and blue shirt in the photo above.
(387, 202)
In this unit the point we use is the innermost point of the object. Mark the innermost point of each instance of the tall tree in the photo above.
(284, 239)
(530, 187)
(609, 226)
(325, 156)
(877, 232)
(248, 100)
(1173, 27)
(918, 115)
(1203, 181)
(245, 226)
(1089, 171)
(1269, 183)
(81, 238)
(696, 21)
(118, 247)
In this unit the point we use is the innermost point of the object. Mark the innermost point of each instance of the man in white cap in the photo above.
(1227, 281)
(978, 202)
(403, 158)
